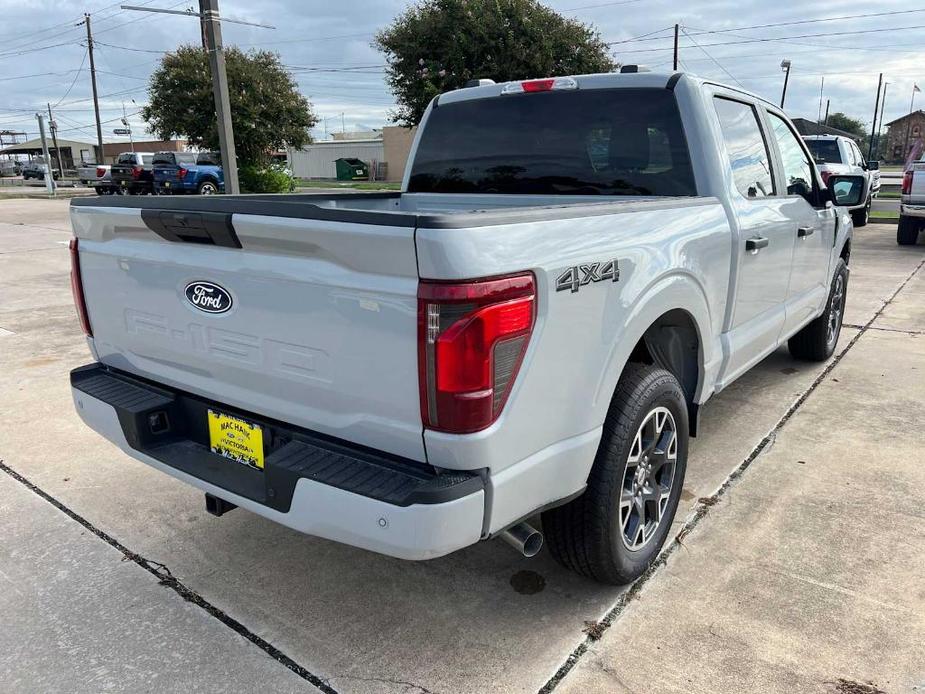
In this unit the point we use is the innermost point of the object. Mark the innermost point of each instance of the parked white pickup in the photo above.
(573, 267)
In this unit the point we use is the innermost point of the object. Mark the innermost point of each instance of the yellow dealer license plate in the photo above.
(236, 439)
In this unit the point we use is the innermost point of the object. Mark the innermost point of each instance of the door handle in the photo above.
(755, 244)
(803, 232)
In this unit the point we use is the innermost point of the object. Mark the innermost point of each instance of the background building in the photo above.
(903, 134)
(386, 152)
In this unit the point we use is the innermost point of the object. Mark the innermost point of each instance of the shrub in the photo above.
(274, 178)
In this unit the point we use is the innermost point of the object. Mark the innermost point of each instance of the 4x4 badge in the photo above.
(578, 276)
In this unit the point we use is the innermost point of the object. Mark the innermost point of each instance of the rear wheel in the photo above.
(816, 341)
(861, 217)
(907, 233)
(207, 188)
(615, 529)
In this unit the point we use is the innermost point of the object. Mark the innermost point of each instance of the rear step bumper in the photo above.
(313, 484)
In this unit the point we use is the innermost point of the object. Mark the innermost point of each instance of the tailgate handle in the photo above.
(210, 228)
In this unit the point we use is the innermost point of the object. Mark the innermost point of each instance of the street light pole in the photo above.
(49, 172)
(785, 66)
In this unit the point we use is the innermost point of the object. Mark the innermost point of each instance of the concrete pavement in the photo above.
(483, 619)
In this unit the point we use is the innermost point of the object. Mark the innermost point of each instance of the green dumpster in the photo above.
(351, 169)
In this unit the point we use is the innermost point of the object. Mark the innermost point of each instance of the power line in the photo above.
(715, 61)
(79, 70)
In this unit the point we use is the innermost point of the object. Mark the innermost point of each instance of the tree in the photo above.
(439, 45)
(847, 123)
(267, 110)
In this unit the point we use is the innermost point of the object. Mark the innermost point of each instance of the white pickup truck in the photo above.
(572, 268)
(912, 205)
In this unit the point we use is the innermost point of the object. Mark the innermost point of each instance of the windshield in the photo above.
(824, 151)
(593, 142)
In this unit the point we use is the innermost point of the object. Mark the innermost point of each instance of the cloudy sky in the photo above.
(327, 46)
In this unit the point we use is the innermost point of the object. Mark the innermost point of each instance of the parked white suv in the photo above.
(836, 154)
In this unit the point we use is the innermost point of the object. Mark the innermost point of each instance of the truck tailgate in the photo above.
(316, 324)
(918, 183)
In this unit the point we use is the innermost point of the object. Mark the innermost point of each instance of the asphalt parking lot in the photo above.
(798, 562)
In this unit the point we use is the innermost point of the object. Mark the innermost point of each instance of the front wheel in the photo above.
(862, 216)
(615, 529)
(816, 341)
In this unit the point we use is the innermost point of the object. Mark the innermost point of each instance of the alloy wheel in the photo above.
(648, 478)
(835, 309)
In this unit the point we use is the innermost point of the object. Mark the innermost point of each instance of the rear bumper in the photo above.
(907, 210)
(310, 483)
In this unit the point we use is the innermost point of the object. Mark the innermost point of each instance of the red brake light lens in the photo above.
(181, 173)
(136, 171)
(77, 289)
(538, 85)
(907, 183)
(472, 339)
(100, 172)
(825, 176)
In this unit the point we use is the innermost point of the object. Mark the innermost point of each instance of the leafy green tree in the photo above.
(847, 123)
(439, 45)
(267, 110)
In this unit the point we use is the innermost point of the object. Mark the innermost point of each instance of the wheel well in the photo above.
(846, 251)
(673, 343)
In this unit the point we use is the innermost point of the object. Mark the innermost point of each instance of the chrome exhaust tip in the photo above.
(524, 538)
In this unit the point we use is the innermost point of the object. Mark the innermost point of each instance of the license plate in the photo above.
(236, 439)
(123, 183)
(167, 184)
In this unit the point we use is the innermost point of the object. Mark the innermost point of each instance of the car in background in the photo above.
(98, 177)
(133, 174)
(912, 204)
(837, 154)
(8, 167)
(188, 172)
(37, 169)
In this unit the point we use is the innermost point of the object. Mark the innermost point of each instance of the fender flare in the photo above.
(678, 291)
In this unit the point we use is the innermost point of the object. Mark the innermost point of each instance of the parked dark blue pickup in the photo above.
(188, 172)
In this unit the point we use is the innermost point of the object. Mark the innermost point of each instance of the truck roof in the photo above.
(603, 80)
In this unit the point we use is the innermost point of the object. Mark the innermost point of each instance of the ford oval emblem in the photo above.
(208, 297)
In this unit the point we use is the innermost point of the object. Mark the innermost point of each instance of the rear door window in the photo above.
(164, 159)
(591, 142)
(745, 147)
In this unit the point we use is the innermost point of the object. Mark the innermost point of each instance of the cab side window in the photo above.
(798, 171)
(745, 145)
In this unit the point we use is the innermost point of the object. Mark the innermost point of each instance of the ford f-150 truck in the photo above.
(188, 172)
(837, 154)
(572, 268)
(912, 205)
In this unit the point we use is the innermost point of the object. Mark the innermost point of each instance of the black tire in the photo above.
(862, 216)
(586, 535)
(100, 191)
(207, 187)
(907, 233)
(817, 340)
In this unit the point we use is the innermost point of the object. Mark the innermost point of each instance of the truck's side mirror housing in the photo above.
(847, 190)
(873, 166)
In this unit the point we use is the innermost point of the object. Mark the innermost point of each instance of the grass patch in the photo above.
(888, 195)
(884, 216)
(892, 168)
(355, 185)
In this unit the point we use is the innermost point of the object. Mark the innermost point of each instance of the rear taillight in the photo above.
(77, 289)
(181, 173)
(100, 172)
(472, 337)
(825, 176)
(136, 172)
(907, 183)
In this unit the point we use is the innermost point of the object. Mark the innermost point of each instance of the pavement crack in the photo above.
(889, 330)
(167, 579)
(385, 680)
(702, 509)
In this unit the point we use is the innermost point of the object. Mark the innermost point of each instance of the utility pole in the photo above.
(54, 138)
(828, 102)
(880, 123)
(209, 11)
(677, 29)
(785, 66)
(49, 174)
(821, 90)
(343, 127)
(96, 103)
(873, 125)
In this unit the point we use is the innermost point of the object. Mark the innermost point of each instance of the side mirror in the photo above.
(847, 190)
(873, 166)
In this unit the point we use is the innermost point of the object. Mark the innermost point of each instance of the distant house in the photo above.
(905, 134)
(808, 127)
